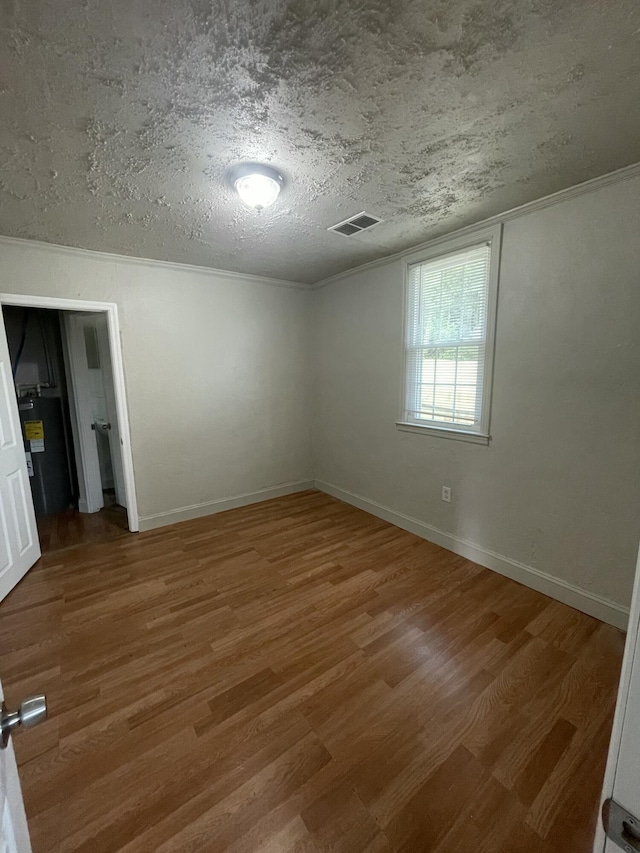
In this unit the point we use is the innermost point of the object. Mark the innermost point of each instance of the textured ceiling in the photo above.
(120, 118)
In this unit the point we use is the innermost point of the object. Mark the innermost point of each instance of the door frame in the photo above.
(117, 366)
(629, 670)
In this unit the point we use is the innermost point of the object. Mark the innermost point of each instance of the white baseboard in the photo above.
(561, 590)
(186, 513)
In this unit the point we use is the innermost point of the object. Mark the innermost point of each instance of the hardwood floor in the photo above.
(300, 676)
(71, 528)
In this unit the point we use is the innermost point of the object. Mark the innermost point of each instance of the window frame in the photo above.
(439, 249)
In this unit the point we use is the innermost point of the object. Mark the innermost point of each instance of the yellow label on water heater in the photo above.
(33, 430)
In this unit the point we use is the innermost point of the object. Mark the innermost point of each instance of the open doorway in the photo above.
(66, 388)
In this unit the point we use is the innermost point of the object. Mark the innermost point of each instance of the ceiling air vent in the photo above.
(355, 224)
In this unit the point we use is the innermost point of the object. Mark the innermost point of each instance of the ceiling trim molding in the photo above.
(110, 257)
(611, 178)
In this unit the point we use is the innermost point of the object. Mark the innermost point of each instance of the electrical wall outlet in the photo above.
(446, 494)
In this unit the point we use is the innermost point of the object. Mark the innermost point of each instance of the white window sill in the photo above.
(443, 432)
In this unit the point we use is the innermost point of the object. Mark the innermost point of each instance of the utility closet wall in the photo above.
(555, 499)
(34, 335)
(217, 370)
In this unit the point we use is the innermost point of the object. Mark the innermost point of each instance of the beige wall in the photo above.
(557, 491)
(216, 370)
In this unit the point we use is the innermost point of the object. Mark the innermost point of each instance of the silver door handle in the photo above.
(104, 427)
(31, 712)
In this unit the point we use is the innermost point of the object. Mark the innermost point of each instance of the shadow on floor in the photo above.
(70, 529)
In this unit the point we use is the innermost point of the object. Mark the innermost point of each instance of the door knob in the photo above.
(31, 712)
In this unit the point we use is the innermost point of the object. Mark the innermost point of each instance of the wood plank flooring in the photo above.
(300, 676)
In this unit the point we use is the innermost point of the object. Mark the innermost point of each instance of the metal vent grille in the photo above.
(347, 229)
(355, 224)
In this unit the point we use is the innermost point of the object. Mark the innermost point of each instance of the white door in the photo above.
(95, 415)
(19, 544)
(115, 443)
(82, 416)
(14, 835)
(622, 776)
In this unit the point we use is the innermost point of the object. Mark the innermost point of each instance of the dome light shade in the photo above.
(257, 185)
(257, 191)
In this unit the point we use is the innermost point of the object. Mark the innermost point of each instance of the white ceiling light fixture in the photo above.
(257, 185)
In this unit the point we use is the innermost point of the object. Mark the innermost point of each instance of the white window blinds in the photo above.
(446, 339)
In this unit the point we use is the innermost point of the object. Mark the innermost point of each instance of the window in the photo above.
(450, 318)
